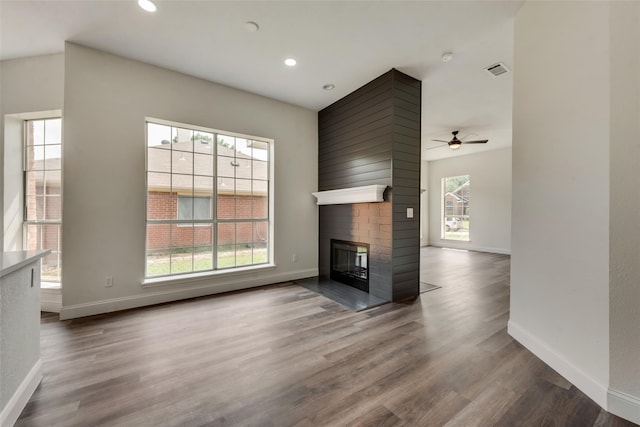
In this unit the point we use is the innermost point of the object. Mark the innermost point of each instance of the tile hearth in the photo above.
(350, 297)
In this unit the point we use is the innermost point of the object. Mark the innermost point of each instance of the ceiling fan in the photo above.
(455, 143)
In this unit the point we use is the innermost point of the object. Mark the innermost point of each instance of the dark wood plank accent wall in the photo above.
(354, 133)
(406, 186)
(372, 136)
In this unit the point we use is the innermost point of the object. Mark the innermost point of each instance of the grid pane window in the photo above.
(43, 193)
(194, 208)
(456, 192)
(207, 200)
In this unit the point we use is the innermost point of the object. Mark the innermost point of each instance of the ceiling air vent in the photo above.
(497, 69)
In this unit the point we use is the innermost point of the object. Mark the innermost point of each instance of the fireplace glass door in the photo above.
(349, 263)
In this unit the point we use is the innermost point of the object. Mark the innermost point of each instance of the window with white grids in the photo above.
(208, 200)
(43, 193)
(456, 191)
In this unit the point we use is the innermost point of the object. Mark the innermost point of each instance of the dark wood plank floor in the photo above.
(285, 356)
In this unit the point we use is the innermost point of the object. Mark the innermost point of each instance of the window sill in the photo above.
(184, 278)
(50, 285)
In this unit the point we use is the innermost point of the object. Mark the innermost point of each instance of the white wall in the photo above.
(424, 203)
(624, 241)
(490, 219)
(13, 188)
(27, 85)
(106, 100)
(560, 234)
(32, 84)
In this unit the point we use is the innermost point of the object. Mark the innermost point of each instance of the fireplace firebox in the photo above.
(350, 264)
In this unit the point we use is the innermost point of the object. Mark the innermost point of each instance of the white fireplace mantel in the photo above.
(363, 194)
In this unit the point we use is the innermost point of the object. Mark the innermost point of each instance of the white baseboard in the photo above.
(50, 300)
(124, 303)
(469, 247)
(18, 401)
(589, 386)
(624, 405)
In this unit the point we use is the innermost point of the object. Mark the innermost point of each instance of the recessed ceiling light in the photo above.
(251, 26)
(447, 56)
(329, 86)
(147, 5)
(290, 62)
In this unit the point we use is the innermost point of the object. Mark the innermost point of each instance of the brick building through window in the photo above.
(43, 193)
(207, 200)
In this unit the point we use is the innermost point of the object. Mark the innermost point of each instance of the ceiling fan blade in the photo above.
(479, 141)
(440, 140)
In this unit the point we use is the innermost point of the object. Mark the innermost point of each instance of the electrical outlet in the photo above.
(295, 258)
(108, 281)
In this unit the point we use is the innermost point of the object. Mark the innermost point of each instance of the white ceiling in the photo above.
(347, 43)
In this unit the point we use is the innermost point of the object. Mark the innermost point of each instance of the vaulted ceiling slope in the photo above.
(345, 43)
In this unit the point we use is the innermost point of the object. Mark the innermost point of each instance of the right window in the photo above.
(455, 207)
(208, 200)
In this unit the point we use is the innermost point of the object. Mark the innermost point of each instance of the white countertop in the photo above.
(15, 260)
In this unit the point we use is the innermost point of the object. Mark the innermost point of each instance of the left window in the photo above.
(43, 193)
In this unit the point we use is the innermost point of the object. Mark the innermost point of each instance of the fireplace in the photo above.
(349, 263)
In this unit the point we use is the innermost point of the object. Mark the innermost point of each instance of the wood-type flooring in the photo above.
(285, 356)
